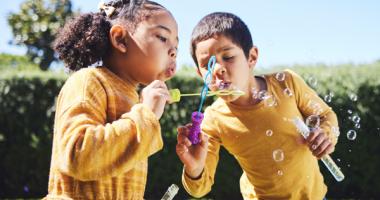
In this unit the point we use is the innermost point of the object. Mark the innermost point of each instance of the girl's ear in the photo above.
(252, 57)
(119, 37)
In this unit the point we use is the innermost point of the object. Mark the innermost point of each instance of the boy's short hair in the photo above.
(221, 23)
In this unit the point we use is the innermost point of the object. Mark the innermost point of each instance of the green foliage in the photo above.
(36, 25)
(14, 62)
(26, 123)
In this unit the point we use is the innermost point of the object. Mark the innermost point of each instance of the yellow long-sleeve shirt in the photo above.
(252, 134)
(102, 139)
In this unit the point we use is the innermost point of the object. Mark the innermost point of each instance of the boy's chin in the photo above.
(229, 98)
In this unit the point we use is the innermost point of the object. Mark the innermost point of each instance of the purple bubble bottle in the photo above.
(195, 130)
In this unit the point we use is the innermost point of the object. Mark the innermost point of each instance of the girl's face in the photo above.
(152, 48)
(232, 69)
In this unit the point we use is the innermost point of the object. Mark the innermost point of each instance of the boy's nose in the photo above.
(219, 70)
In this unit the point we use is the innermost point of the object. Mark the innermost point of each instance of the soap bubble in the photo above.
(278, 155)
(313, 121)
(328, 98)
(269, 132)
(353, 97)
(312, 81)
(335, 131)
(351, 135)
(356, 119)
(280, 76)
(288, 92)
(357, 126)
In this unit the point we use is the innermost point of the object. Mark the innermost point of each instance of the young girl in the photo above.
(104, 132)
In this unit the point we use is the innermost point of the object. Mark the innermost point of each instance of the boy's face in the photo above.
(232, 69)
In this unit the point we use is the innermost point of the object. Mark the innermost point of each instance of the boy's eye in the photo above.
(163, 39)
(227, 58)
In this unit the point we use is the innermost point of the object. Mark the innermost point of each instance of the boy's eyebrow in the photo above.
(225, 48)
(165, 28)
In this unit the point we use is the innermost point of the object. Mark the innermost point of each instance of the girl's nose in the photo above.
(172, 52)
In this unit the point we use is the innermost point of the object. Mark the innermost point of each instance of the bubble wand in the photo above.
(197, 116)
(326, 159)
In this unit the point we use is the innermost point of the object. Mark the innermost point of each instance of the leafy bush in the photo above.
(27, 112)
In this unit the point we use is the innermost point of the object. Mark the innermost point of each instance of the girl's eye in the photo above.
(163, 39)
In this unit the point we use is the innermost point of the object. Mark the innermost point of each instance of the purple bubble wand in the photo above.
(197, 116)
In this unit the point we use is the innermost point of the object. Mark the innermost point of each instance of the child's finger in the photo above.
(321, 149)
(181, 149)
(311, 137)
(204, 139)
(183, 140)
(316, 142)
(184, 130)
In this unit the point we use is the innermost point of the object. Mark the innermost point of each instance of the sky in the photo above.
(286, 32)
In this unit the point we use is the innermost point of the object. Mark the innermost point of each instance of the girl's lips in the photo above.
(170, 71)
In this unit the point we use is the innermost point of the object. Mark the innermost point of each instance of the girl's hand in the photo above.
(192, 156)
(155, 96)
(319, 144)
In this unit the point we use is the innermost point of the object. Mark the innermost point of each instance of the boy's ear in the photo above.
(252, 57)
(119, 37)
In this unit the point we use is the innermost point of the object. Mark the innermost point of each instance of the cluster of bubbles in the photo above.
(263, 95)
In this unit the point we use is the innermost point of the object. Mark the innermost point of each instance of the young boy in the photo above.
(257, 128)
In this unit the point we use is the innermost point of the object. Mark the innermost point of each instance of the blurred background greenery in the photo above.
(28, 89)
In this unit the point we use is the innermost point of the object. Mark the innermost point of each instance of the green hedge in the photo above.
(27, 112)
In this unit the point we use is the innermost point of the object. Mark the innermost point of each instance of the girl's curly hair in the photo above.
(84, 40)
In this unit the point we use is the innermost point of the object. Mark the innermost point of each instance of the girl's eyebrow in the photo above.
(166, 29)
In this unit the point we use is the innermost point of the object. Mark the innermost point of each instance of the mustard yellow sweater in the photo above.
(243, 132)
(102, 139)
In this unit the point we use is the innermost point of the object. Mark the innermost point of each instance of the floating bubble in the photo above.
(263, 94)
(280, 76)
(313, 121)
(351, 135)
(338, 159)
(269, 132)
(271, 101)
(353, 97)
(278, 155)
(255, 93)
(328, 98)
(356, 119)
(280, 172)
(268, 99)
(357, 126)
(348, 165)
(288, 92)
(312, 81)
(335, 131)
(349, 111)
(349, 150)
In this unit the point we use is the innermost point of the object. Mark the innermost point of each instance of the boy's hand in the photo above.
(155, 96)
(192, 156)
(319, 143)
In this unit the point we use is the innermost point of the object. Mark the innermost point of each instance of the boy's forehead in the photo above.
(214, 45)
